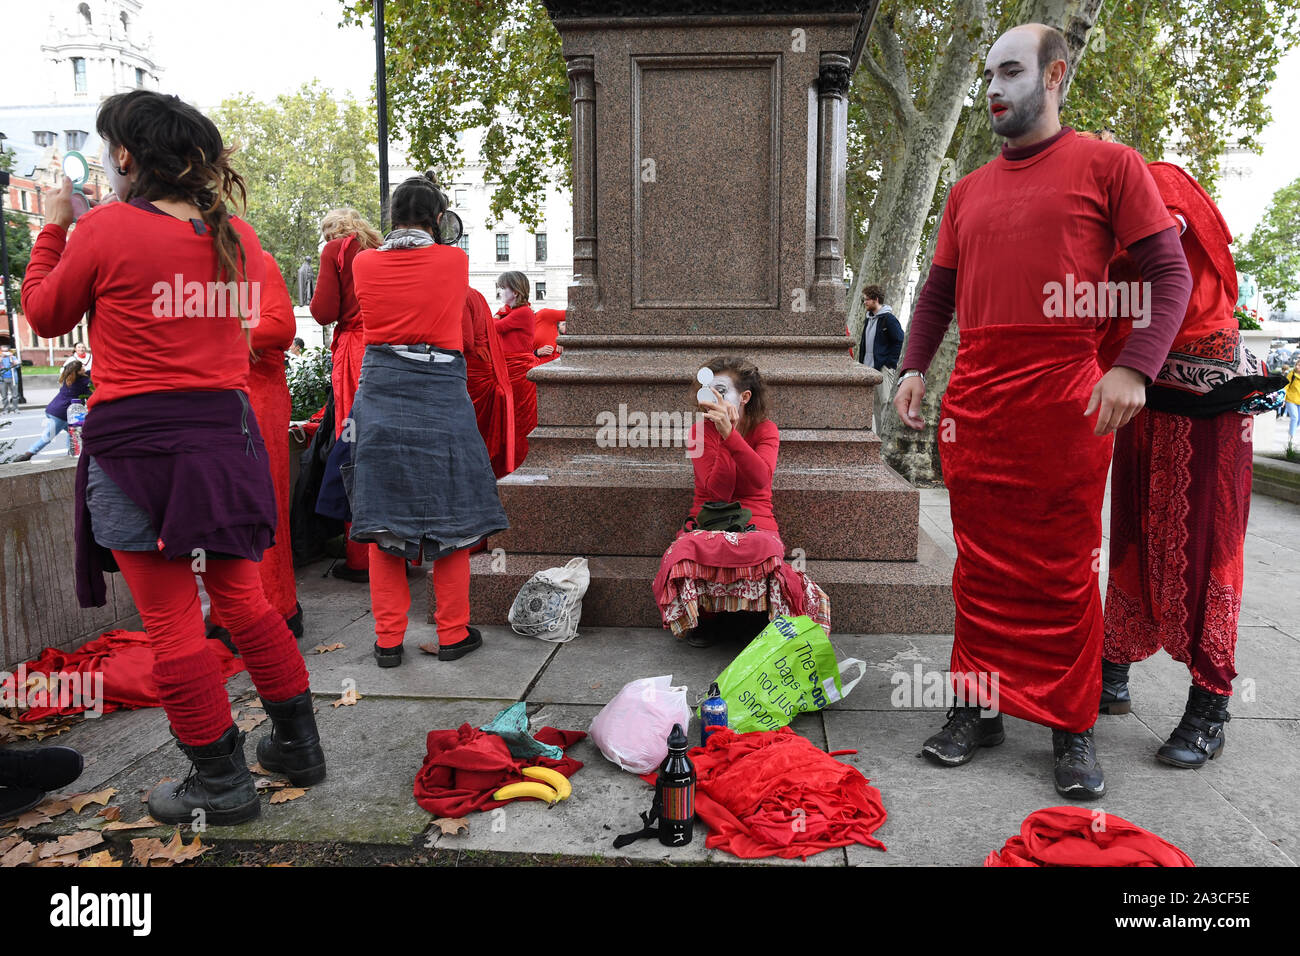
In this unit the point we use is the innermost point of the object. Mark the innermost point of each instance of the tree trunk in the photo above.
(913, 454)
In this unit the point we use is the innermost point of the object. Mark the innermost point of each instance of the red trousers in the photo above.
(190, 684)
(390, 597)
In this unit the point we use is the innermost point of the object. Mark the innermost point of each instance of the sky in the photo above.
(266, 47)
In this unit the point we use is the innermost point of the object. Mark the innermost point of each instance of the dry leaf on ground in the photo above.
(111, 814)
(287, 794)
(144, 823)
(451, 825)
(24, 852)
(102, 858)
(80, 801)
(251, 721)
(326, 648)
(32, 818)
(66, 859)
(350, 697)
(72, 843)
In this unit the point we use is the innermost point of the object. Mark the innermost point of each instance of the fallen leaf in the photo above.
(287, 794)
(9, 842)
(102, 858)
(67, 859)
(145, 798)
(252, 720)
(279, 864)
(71, 843)
(32, 818)
(80, 801)
(145, 849)
(270, 784)
(23, 853)
(326, 648)
(451, 825)
(259, 769)
(178, 852)
(350, 697)
(53, 806)
(144, 823)
(111, 814)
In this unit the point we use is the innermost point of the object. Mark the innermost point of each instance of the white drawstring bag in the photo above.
(632, 729)
(549, 604)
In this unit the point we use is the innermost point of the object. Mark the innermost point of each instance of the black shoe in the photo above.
(705, 633)
(1199, 735)
(388, 656)
(215, 632)
(355, 575)
(293, 746)
(452, 652)
(965, 732)
(218, 784)
(15, 801)
(1114, 689)
(41, 768)
(295, 624)
(1078, 771)
(25, 456)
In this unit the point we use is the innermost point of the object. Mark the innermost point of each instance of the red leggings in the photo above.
(189, 682)
(390, 597)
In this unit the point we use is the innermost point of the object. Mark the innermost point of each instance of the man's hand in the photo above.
(58, 205)
(1119, 396)
(907, 402)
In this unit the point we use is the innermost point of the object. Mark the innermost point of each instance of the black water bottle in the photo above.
(677, 784)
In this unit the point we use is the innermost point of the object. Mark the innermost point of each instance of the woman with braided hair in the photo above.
(175, 479)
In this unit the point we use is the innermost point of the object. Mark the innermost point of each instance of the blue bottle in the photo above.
(713, 713)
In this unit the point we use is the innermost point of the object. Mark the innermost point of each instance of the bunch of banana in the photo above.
(546, 784)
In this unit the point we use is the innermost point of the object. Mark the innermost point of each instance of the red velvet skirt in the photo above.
(268, 393)
(1026, 478)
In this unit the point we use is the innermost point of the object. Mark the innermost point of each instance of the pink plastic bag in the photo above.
(632, 729)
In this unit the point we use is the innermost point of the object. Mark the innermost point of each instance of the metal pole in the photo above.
(381, 95)
(4, 271)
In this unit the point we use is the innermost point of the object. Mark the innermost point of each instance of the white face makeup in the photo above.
(1016, 95)
(726, 390)
(507, 296)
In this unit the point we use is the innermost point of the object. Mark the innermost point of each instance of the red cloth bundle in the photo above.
(124, 658)
(463, 768)
(772, 793)
(1073, 836)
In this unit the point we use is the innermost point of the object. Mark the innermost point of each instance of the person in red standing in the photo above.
(174, 477)
(487, 375)
(550, 325)
(711, 583)
(1027, 418)
(516, 324)
(419, 482)
(346, 233)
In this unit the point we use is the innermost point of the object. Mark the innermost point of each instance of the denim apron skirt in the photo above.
(419, 479)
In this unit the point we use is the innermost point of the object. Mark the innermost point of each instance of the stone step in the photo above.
(867, 597)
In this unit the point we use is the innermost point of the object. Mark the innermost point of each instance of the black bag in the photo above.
(308, 530)
(720, 516)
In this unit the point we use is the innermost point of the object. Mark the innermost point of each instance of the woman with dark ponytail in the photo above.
(419, 483)
(174, 478)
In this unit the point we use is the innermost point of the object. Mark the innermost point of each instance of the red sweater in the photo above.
(412, 296)
(335, 298)
(151, 330)
(277, 326)
(516, 327)
(738, 469)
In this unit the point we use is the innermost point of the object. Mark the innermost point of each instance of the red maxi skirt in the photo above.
(1026, 478)
(1180, 497)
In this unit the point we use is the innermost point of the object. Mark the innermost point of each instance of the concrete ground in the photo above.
(1240, 810)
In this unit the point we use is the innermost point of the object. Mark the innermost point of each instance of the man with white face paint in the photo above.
(1024, 458)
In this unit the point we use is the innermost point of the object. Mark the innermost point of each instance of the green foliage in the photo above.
(301, 155)
(1272, 253)
(309, 382)
(495, 65)
(18, 236)
(7, 159)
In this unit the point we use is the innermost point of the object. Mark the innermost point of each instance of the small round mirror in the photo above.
(450, 228)
(704, 376)
(706, 395)
(75, 167)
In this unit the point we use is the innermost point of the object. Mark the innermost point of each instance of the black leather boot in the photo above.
(218, 783)
(965, 732)
(41, 768)
(1114, 689)
(1199, 735)
(1078, 771)
(293, 746)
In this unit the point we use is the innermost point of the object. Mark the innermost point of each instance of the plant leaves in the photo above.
(80, 801)
(287, 794)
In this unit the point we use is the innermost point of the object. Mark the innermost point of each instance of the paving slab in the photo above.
(956, 816)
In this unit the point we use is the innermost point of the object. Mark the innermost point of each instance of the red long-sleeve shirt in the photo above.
(335, 298)
(159, 321)
(516, 327)
(275, 329)
(738, 469)
(412, 296)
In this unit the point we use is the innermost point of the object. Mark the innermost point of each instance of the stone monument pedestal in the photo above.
(708, 196)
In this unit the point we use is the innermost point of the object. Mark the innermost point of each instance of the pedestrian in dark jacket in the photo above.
(880, 345)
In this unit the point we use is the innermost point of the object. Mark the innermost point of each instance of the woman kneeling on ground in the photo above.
(730, 583)
(420, 482)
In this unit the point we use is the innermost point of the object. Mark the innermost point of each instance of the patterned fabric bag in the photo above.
(549, 604)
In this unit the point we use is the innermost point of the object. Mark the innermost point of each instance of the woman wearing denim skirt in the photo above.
(420, 483)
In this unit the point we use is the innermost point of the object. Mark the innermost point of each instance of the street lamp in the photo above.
(381, 97)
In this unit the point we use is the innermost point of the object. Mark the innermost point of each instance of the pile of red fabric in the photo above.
(772, 793)
(124, 658)
(1073, 836)
(464, 767)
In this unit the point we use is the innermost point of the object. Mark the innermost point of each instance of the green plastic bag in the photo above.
(790, 668)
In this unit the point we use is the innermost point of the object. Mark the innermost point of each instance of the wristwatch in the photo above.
(910, 373)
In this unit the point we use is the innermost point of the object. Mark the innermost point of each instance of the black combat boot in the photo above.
(293, 746)
(966, 731)
(1114, 689)
(218, 784)
(41, 768)
(1078, 771)
(1199, 735)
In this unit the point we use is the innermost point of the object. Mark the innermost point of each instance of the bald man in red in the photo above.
(1027, 420)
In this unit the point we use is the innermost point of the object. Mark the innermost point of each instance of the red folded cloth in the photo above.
(124, 658)
(1073, 836)
(464, 767)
